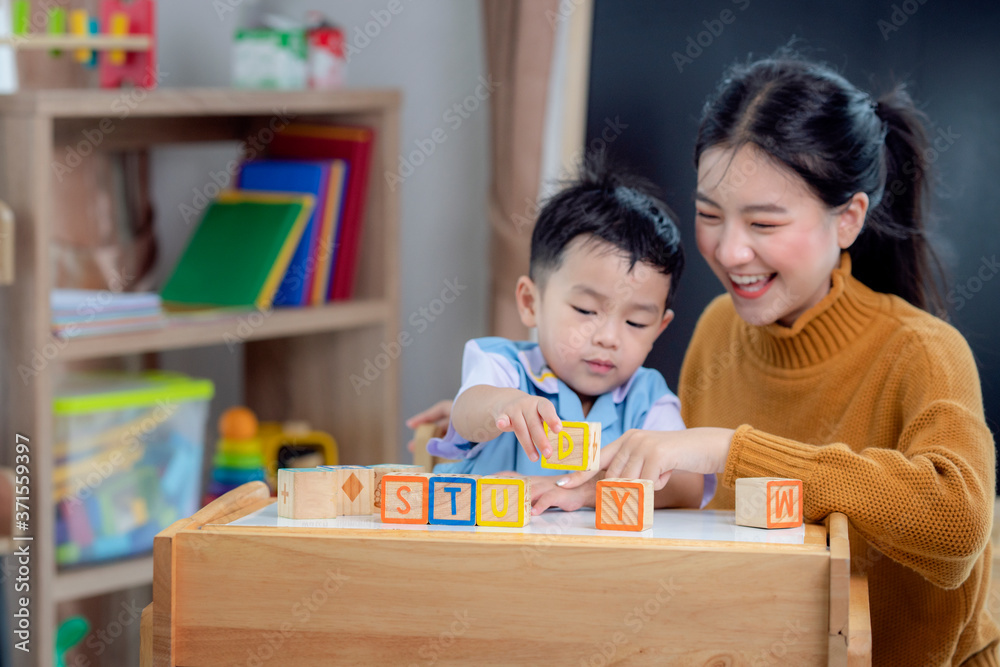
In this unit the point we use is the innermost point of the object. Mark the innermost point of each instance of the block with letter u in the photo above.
(503, 501)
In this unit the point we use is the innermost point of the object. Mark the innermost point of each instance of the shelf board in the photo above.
(182, 102)
(87, 582)
(183, 332)
(96, 42)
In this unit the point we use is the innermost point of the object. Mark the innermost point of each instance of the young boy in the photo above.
(605, 260)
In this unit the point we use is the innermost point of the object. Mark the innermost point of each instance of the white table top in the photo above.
(708, 525)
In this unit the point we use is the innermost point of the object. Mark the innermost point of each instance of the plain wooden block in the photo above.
(576, 447)
(503, 501)
(405, 497)
(380, 470)
(354, 487)
(624, 504)
(768, 502)
(306, 493)
(452, 500)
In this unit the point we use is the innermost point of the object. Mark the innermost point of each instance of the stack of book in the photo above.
(77, 312)
(290, 235)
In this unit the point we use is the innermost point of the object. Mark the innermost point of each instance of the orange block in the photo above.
(404, 498)
(624, 504)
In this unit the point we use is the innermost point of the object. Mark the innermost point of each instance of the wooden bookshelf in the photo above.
(298, 362)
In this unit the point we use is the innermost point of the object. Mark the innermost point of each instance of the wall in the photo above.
(654, 64)
(433, 53)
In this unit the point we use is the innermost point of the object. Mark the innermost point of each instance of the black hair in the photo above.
(840, 141)
(613, 206)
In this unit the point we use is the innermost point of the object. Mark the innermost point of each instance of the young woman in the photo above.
(822, 363)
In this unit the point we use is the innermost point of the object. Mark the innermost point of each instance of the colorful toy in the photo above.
(624, 504)
(71, 632)
(127, 47)
(238, 457)
(768, 502)
(294, 445)
(576, 447)
(503, 501)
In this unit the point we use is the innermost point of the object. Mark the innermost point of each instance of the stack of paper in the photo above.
(78, 312)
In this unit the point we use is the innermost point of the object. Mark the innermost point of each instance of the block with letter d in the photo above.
(576, 447)
(624, 504)
(405, 497)
(453, 500)
(503, 501)
(768, 502)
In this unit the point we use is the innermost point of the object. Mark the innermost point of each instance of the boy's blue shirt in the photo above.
(643, 402)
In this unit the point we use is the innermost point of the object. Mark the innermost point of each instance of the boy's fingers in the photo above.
(538, 437)
(523, 436)
(662, 481)
(436, 413)
(503, 423)
(548, 413)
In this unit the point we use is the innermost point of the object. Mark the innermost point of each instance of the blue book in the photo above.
(294, 176)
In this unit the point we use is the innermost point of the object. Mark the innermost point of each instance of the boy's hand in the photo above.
(524, 415)
(656, 454)
(438, 414)
(568, 500)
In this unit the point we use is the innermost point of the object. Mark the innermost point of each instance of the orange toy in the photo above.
(238, 423)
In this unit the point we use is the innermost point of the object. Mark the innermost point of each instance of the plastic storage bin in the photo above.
(128, 460)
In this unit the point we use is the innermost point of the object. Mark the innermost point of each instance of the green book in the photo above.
(240, 251)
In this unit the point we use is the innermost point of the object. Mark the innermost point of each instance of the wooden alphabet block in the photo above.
(354, 487)
(405, 497)
(503, 501)
(768, 502)
(576, 447)
(306, 493)
(380, 470)
(452, 500)
(624, 504)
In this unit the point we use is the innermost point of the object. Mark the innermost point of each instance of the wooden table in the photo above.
(228, 594)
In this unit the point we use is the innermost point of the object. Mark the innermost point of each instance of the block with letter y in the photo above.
(503, 501)
(768, 502)
(624, 504)
(576, 447)
(405, 497)
(453, 500)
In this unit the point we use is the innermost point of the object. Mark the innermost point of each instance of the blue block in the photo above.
(444, 495)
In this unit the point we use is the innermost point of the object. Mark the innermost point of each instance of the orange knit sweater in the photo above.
(876, 406)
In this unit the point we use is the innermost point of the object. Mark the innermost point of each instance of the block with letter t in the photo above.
(405, 497)
(768, 502)
(576, 447)
(503, 501)
(624, 504)
(453, 500)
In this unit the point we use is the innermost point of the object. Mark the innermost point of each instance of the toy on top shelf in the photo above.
(127, 47)
(238, 455)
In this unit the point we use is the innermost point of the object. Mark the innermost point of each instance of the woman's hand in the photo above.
(438, 414)
(569, 500)
(656, 454)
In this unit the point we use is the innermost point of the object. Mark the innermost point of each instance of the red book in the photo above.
(326, 142)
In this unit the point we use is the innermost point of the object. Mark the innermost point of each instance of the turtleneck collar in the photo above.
(821, 332)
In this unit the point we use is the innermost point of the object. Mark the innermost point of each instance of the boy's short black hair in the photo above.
(616, 207)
